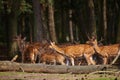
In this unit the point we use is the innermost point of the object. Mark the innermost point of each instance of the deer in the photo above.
(21, 42)
(53, 57)
(105, 51)
(30, 53)
(74, 51)
(27, 50)
(47, 55)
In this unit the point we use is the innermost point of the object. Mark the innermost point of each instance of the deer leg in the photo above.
(22, 57)
(105, 60)
(72, 61)
(67, 60)
(87, 57)
(44, 62)
(62, 63)
(35, 57)
(54, 61)
(92, 61)
(32, 57)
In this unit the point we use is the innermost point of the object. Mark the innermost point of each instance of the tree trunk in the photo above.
(12, 33)
(105, 19)
(12, 66)
(38, 27)
(92, 20)
(51, 21)
(71, 26)
(118, 31)
(44, 20)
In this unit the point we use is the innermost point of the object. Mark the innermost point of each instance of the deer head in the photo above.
(92, 41)
(20, 42)
(56, 48)
(52, 44)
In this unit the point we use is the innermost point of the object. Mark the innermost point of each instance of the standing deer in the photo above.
(27, 50)
(76, 51)
(21, 44)
(47, 55)
(105, 51)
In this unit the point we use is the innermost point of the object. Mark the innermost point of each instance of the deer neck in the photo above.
(58, 49)
(97, 48)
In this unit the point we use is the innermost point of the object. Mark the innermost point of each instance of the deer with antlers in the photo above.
(104, 51)
(21, 44)
(76, 51)
(28, 51)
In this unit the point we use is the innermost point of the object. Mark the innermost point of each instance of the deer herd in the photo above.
(51, 53)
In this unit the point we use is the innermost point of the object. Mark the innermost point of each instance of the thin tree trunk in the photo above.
(71, 26)
(51, 22)
(105, 19)
(31, 32)
(118, 31)
(44, 20)
(12, 33)
(92, 20)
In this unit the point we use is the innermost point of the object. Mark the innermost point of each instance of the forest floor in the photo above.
(49, 76)
(8, 75)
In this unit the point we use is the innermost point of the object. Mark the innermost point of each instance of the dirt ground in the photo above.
(48, 76)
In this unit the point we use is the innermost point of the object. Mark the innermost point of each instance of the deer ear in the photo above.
(50, 42)
(87, 42)
(50, 46)
(54, 43)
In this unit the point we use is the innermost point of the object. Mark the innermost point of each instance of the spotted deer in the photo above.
(76, 51)
(47, 55)
(30, 53)
(27, 50)
(105, 51)
(21, 44)
(53, 57)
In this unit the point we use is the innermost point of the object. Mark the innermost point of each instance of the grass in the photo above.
(49, 76)
(104, 79)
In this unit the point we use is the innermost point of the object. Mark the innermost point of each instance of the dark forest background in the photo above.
(60, 21)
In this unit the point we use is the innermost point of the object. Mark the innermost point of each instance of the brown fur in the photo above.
(44, 52)
(52, 58)
(106, 51)
(76, 51)
(31, 51)
(30, 54)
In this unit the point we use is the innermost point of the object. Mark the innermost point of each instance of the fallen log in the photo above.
(41, 68)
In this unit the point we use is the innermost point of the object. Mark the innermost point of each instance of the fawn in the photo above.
(53, 57)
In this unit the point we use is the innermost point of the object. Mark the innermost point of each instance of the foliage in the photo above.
(1, 5)
(25, 7)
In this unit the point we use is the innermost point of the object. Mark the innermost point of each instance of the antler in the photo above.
(101, 39)
(88, 36)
